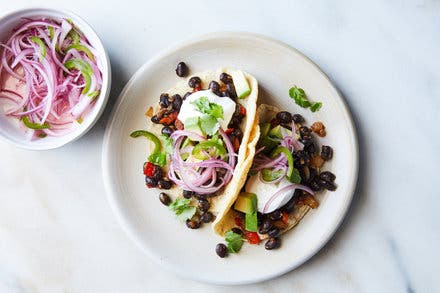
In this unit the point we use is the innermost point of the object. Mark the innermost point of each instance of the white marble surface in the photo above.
(58, 234)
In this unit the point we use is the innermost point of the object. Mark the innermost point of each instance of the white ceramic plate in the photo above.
(192, 252)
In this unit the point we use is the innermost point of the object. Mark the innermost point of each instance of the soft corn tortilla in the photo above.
(265, 113)
(221, 203)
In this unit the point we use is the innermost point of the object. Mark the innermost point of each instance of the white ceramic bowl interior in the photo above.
(10, 130)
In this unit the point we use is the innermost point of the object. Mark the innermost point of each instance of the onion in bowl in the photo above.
(49, 76)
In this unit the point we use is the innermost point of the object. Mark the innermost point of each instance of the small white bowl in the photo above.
(10, 131)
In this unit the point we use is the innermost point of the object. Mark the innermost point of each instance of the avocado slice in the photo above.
(241, 84)
(247, 203)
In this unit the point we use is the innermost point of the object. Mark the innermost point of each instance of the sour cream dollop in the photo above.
(264, 192)
(189, 110)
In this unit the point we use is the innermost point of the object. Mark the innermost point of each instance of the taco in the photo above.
(202, 140)
(281, 184)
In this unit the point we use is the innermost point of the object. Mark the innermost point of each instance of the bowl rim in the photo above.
(106, 76)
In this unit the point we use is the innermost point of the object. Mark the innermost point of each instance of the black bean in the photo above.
(155, 119)
(204, 205)
(186, 95)
(265, 226)
(312, 173)
(275, 215)
(192, 224)
(221, 250)
(158, 173)
(194, 82)
(274, 232)
(164, 184)
(166, 130)
(297, 118)
(181, 69)
(230, 89)
(164, 100)
(224, 93)
(164, 198)
(327, 176)
(326, 152)
(207, 217)
(188, 193)
(237, 231)
(177, 102)
(151, 182)
(306, 139)
(304, 130)
(314, 185)
(226, 78)
(303, 155)
(214, 87)
(327, 185)
(310, 147)
(284, 117)
(273, 243)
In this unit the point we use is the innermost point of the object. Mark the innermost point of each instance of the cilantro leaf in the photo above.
(271, 175)
(186, 214)
(206, 107)
(296, 177)
(234, 241)
(209, 124)
(315, 106)
(182, 208)
(167, 144)
(300, 98)
(159, 158)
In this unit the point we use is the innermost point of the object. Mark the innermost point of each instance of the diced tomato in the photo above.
(236, 145)
(285, 218)
(168, 120)
(149, 169)
(252, 237)
(229, 130)
(242, 111)
(197, 88)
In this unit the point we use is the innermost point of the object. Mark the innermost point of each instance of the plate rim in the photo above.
(124, 221)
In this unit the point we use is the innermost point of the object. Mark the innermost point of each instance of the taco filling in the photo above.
(202, 140)
(286, 173)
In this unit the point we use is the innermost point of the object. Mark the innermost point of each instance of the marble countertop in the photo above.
(58, 234)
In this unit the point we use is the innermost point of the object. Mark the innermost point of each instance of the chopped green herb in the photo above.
(182, 208)
(159, 158)
(300, 98)
(206, 107)
(271, 175)
(209, 125)
(234, 241)
(167, 144)
(315, 106)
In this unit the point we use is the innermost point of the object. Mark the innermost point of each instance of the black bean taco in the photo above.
(202, 136)
(282, 181)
